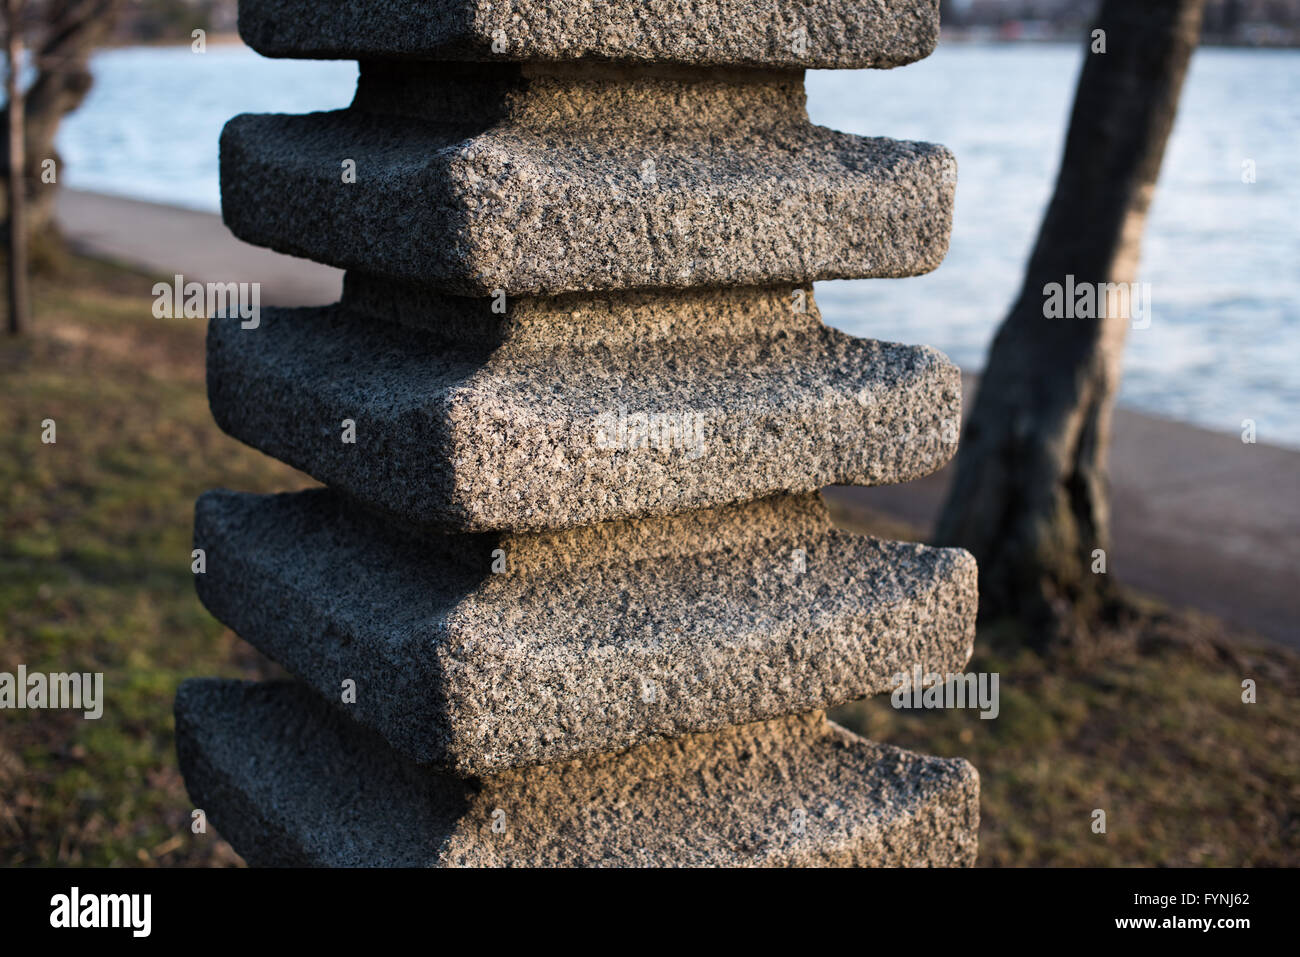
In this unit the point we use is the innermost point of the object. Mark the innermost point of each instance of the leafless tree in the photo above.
(1030, 497)
(60, 34)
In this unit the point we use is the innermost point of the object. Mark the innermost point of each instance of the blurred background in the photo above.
(1145, 719)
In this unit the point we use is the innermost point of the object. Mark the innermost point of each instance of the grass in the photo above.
(95, 568)
(94, 576)
(1146, 724)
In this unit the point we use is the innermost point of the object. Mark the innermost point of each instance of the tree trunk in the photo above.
(17, 228)
(1030, 495)
(69, 32)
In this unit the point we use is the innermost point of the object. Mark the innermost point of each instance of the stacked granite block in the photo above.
(571, 596)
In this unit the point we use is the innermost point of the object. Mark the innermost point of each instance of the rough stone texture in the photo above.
(663, 403)
(289, 781)
(839, 33)
(542, 184)
(587, 641)
(572, 561)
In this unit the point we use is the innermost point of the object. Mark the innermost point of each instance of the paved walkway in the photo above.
(197, 245)
(1200, 518)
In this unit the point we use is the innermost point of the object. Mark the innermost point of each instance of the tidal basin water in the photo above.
(1221, 257)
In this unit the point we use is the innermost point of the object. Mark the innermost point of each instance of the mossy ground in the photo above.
(95, 576)
(95, 569)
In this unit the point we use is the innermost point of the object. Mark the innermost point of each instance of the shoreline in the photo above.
(1200, 519)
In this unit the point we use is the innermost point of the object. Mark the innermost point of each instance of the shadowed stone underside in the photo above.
(293, 782)
(584, 641)
(665, 403)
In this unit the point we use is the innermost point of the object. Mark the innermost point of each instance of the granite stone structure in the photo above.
(570, 595)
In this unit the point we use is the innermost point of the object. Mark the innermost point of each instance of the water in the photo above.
(1222, 257)
(150, 126)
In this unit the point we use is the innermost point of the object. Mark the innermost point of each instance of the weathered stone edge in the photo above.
(466, 683)
(451, 450)
(253, 757)
(822, 34)
(489, 212)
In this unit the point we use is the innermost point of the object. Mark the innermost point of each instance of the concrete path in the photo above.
(197, 245)
(1200, 519)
